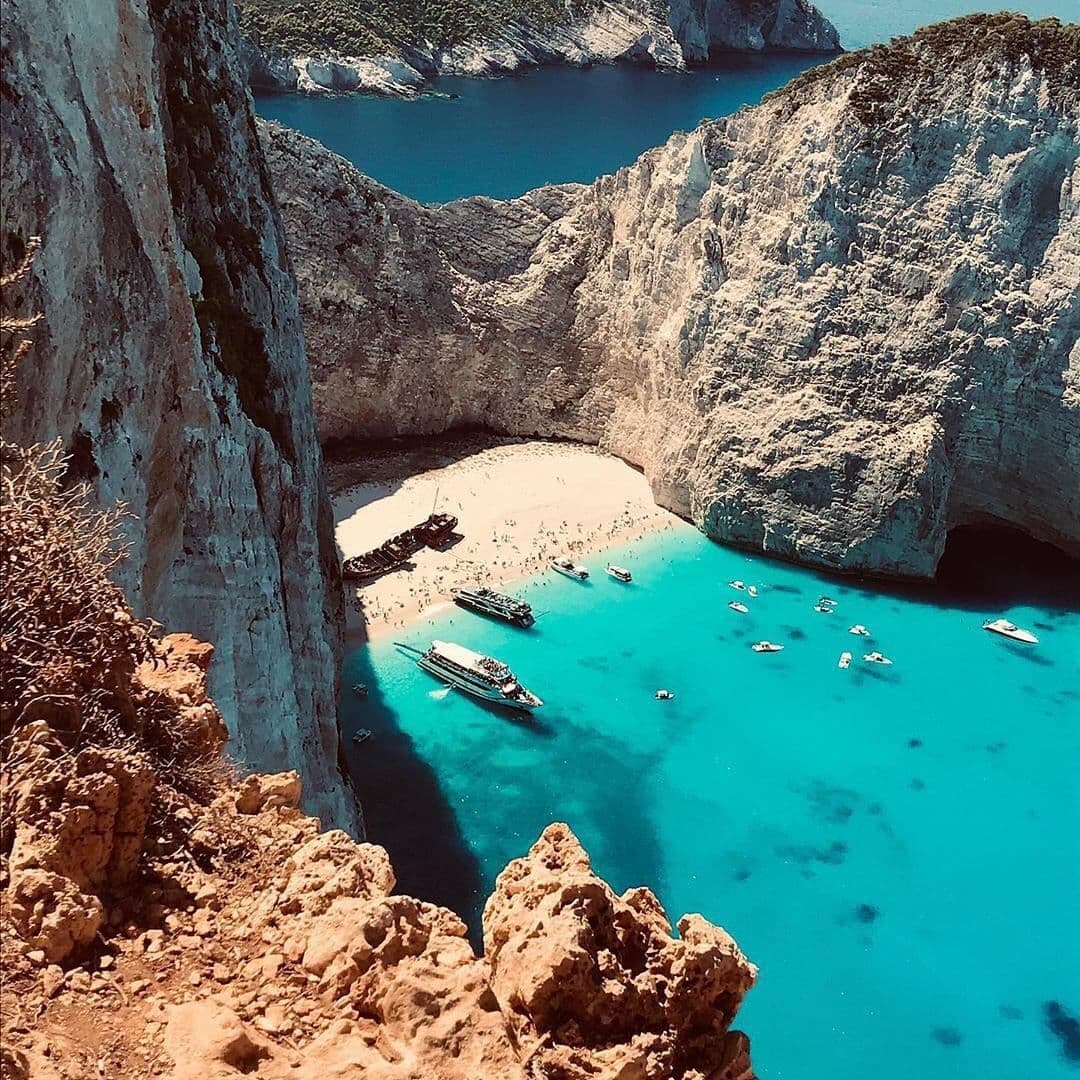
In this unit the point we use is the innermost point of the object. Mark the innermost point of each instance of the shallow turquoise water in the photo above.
(896, 848)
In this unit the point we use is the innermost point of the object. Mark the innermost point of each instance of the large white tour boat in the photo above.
(476, 674)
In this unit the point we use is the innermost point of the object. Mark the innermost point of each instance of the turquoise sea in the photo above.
(896, 847)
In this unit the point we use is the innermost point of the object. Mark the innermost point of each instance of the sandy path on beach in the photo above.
(517, 506)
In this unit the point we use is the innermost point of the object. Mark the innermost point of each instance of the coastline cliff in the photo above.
(291, 47)
(831, 327)
(170, 354)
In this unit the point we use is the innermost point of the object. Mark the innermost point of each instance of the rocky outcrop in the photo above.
(666, 34)
(831, 327)
(146, 931)
(170, 354)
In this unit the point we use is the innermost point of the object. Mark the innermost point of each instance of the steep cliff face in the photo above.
(311, 52)
(170, 355)
(831, 327)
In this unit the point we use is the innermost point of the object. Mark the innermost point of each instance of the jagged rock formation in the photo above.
(832, 327)
(661, 33)
(194, 939)
(170, 355)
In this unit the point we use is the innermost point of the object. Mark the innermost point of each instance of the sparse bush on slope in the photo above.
(370, 27)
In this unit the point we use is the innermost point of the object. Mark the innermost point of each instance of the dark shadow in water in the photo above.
(994, 566)
(985, 568)
(405, 809)
(1065, 1027)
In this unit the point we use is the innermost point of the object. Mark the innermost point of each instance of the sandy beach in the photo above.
(518, 504)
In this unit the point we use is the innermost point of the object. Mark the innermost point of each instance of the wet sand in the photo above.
(517, 504)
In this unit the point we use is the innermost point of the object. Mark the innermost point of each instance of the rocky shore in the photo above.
(831, 327)
(669, 34)
(148, 933)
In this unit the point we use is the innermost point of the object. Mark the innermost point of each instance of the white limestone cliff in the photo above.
(170, 355)
(831, 327)
(665, 34)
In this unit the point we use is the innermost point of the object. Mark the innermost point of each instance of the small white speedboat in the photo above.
(751, 590)
(766, 646)
(823, 609)
(876, 658)
(619, 573)
(569, 568)
(741, 586)
(1011, 630)
(736, 606)
(827, 600)
(844, 661)
(664, 695)
(859, 630)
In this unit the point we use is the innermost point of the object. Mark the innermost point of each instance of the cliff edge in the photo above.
(160, 916)
(170, 353)
(831, 327)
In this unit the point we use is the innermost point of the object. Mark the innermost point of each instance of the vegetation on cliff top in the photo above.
(371, 27)
(886, 70)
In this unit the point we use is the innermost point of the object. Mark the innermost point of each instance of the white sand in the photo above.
(517, 505)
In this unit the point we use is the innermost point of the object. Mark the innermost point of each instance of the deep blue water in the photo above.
(895, 847)
(501, 137)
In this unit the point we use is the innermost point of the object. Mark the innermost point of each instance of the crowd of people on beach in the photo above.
(399, 598)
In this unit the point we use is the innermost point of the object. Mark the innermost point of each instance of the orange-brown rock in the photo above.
(597, 982)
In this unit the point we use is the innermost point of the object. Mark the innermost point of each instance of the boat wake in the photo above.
(440, 694)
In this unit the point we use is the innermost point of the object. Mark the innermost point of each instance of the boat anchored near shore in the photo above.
(474, 673)
(1011, 631)
(619, 573)
(569, 568)
(488, 602)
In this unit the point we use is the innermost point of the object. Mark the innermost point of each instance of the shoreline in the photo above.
(554, 498)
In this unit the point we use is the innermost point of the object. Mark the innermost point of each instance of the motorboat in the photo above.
(823, 609)
(766, 646)
(1011, 630)
(876, 658)
(828, 600)
(569, 568)
(741, 586)
(619, 573)
(489, 602)
(859, 630)
(736, 606)
(362, 735)
(751, 590)
(664, 695)
(482, 676)
(360, 689)
(844, 661)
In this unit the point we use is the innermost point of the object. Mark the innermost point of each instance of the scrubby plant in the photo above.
(368, 27)
(69, 642)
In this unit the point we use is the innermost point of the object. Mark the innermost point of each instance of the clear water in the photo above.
(895, 847)
(501, 137)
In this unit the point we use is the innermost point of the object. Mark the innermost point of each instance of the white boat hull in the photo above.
(1017, 633)
(475, 689)
(573, 575)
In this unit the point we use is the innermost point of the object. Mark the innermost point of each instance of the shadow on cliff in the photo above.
(992, 567)
(405, 808)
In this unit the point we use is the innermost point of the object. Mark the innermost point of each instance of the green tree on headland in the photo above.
(370, 27)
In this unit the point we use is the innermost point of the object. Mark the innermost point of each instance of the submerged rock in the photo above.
(831, 327)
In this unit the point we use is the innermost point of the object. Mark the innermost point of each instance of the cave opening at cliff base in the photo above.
(992, 566)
